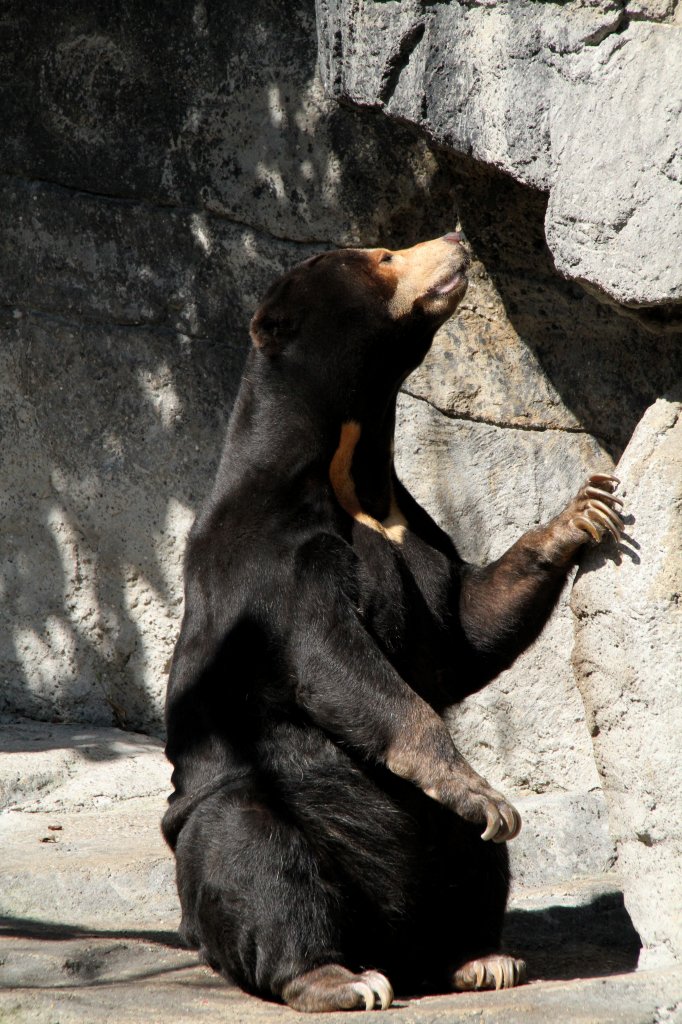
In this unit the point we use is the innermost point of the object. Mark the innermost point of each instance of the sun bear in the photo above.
(331, 843)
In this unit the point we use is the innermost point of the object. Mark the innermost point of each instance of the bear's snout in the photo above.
(429, 276)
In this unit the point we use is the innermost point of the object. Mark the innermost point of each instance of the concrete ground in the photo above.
(88, 911)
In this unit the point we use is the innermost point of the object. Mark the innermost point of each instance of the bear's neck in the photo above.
(281, 433)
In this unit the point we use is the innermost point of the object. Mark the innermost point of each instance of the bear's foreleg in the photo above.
(504, 605)
(349, 688)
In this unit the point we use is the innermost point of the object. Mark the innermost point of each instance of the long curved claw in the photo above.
(497, 971)
(596, 492)
(381, 987)
(608, 523)
(584, 523)
(517, 825)
(612, 513)
(597, 510)
(366, 992)
(493, 827)
(509, 819)
(604, 478)
(493, 971)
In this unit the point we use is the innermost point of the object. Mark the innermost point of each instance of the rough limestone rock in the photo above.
(526, 348)
(131, 262)
(79, 826)
(628, 666)
(579, 99)
(206, 107)
(158, 170)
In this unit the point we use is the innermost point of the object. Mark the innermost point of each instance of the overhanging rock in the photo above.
(581, 100)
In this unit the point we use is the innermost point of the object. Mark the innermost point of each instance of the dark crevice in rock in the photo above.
(590, 352)
(618, 26)
(660, 17)
(399, 61)
(457, 415)
(665, 318)
(592, 940)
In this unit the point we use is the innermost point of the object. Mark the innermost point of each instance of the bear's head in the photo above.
(358, 321)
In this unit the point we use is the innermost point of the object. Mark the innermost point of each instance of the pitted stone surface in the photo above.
(79, 827)
(159, 169)
(486, 486)
(127, 298)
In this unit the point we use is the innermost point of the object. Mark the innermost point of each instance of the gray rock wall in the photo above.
(159, 169)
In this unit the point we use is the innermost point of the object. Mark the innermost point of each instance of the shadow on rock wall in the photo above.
(158, 174)
(564, 360)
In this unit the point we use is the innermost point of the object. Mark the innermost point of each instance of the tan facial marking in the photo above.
(419, 272)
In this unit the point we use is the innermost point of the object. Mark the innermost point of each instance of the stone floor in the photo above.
(88, 910)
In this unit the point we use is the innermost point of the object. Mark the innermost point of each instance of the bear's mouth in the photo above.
(449, 285)
(454, 275)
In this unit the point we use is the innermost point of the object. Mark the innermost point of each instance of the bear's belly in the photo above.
(360, 819)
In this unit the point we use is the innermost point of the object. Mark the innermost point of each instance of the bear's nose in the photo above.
(453, 236)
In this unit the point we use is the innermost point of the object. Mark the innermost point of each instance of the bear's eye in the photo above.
(386, 258)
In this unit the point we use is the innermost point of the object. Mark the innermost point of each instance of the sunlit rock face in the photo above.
(628, 667)
(157, 174)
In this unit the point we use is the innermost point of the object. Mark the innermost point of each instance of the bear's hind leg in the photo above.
(253, 897)
(464, 913)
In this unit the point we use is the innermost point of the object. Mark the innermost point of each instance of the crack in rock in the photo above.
(487, 421)
(399, 60)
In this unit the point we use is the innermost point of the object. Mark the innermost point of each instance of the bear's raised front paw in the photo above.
(494, 971)
(595, 509)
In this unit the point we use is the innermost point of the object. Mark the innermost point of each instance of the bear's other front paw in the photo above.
(479, 803)
(596, 509)
(503, 822)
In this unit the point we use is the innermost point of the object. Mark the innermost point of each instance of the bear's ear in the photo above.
(272, 330)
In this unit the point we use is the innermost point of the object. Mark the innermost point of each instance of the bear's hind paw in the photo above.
(494, 971)
(333, 987)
